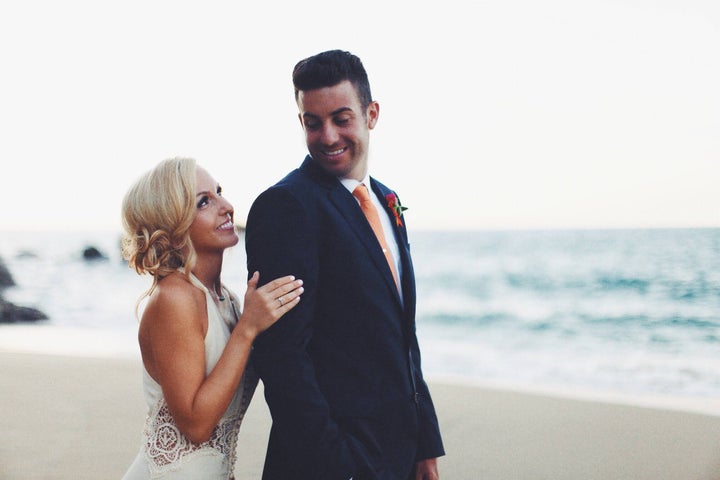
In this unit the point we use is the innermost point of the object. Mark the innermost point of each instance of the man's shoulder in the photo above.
(295, 189)
(296, 183)
(307, 179)
(293, 179)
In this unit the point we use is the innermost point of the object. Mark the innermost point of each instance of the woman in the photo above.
(194, 342)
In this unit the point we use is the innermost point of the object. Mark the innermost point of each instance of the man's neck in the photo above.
(358, 174)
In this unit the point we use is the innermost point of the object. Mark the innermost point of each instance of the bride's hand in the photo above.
(265, 305)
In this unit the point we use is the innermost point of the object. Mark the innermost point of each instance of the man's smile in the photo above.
(334, 153)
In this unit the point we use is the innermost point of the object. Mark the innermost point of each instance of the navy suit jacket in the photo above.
(341, 371)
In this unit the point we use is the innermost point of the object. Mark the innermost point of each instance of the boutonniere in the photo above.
(394, 204)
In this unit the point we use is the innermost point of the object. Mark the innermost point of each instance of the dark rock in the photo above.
(11, 313)
(6, 279)
(92, 253)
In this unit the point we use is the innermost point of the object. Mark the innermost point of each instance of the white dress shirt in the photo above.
(388, 230)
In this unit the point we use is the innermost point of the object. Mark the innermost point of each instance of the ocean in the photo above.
(630, 312)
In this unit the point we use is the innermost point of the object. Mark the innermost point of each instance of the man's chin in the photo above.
(334, 169)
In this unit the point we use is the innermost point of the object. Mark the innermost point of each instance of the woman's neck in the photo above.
(209, 275)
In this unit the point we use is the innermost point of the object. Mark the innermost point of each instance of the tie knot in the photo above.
(361, 193)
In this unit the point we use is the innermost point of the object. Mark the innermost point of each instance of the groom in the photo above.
(341, 371)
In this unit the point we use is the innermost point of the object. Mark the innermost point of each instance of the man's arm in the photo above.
(281, 240)
(430, 443)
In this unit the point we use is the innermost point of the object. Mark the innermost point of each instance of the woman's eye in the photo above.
(203, 201)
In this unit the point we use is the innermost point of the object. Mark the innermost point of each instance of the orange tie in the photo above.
(361, 193)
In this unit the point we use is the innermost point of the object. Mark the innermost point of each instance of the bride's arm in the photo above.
(175, 322)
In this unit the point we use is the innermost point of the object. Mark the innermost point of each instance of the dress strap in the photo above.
(227, 311)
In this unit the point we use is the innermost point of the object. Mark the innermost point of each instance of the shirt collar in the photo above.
(351, 183)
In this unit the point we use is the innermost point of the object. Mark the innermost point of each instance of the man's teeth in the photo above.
(335, 152)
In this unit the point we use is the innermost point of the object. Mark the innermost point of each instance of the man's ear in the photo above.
(372, 113)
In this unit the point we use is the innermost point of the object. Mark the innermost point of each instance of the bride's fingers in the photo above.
(277, 283)
(289, 298)
(283, 292)
(289, 302)
(252, 283)
(286, 288)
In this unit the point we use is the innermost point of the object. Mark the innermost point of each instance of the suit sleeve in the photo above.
(281, 239)
(430, 443)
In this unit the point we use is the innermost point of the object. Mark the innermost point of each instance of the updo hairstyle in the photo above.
(157, 213)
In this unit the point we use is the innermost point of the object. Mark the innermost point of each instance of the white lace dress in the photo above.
(167, 454)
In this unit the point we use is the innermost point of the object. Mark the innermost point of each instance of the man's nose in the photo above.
(329, 135)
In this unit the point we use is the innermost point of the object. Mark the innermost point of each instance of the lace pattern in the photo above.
(166, 448)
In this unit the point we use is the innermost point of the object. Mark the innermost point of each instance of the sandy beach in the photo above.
(80, 418)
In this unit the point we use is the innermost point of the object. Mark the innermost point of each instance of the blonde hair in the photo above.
(157, 213)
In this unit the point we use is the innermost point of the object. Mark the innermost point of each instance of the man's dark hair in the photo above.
(329, 68)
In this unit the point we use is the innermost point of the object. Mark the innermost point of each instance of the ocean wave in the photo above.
(626, 310)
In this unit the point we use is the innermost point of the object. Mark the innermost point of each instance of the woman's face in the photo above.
(212, 230)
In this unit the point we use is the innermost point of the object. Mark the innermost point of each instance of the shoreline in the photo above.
(709, 406)
(78, 342)
(81, 417)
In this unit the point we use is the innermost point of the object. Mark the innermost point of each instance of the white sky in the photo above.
(494, 115)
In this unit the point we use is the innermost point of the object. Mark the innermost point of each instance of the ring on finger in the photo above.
(279, 299)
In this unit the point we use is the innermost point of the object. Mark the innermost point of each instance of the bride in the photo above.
(194, 340)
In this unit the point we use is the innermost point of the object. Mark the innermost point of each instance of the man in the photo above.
(341, 371)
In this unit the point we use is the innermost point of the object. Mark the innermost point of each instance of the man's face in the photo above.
(337, 131)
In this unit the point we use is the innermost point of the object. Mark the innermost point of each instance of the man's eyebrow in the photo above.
(341, 110)
(334, 112)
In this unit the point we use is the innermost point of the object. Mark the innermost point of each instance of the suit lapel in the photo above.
(348, 208)
(381, 191)
(407, 276)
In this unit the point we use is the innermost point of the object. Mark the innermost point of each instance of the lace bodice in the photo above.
(167, 449)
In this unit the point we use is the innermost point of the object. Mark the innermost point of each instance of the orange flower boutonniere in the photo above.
(397, 209)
